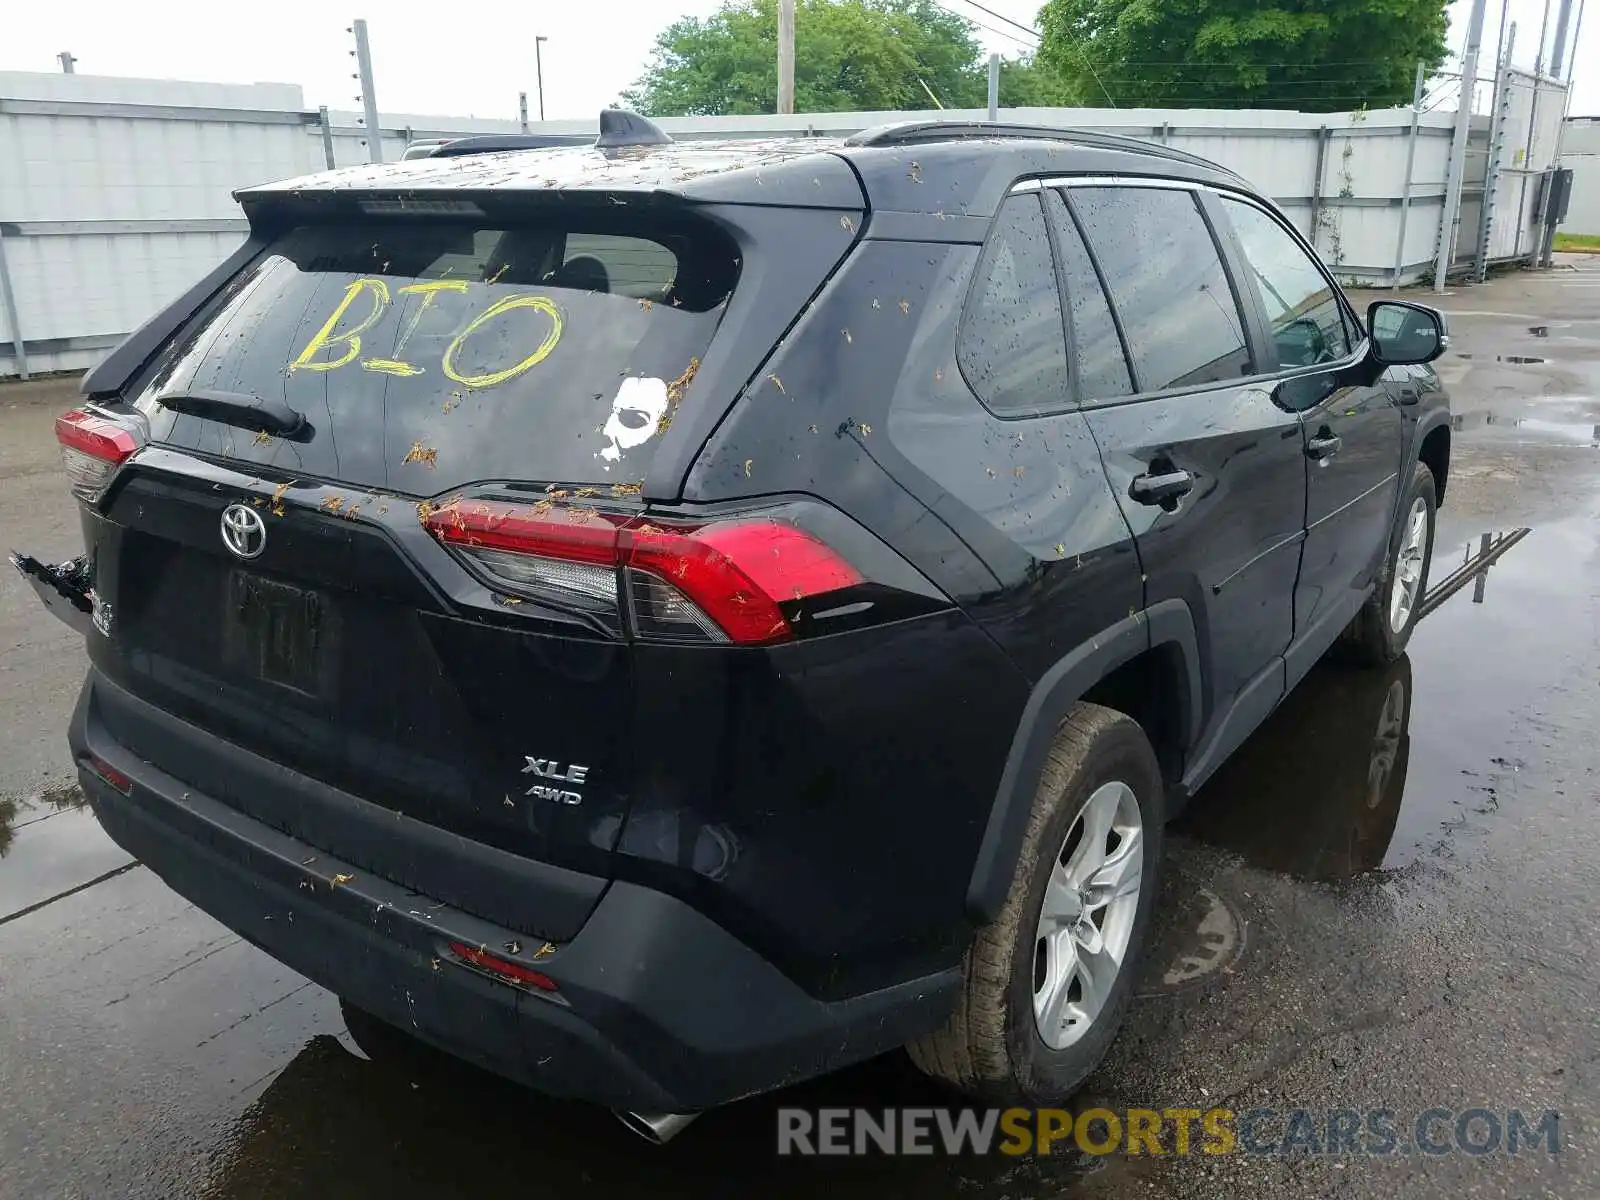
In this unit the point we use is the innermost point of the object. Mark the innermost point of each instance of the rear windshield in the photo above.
(428, 353)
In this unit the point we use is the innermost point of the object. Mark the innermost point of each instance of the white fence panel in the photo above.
(115, 194)
(1580, 150)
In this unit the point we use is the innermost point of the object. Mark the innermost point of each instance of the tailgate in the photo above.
(332, 656)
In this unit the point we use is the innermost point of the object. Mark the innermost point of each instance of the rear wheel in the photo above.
(1047, 984)
(1382, 628)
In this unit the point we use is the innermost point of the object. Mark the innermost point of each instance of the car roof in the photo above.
(947, 170)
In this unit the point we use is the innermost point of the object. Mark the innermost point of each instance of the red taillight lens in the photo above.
(92, 448)
(738, 572)
(109, 773)
(509, 971)
(722, 581)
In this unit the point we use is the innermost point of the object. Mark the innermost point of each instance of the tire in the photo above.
(1375, 637)
(993, 1048)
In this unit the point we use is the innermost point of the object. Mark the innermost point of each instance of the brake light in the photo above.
(93, 446)
(719, 581)
(511, 972)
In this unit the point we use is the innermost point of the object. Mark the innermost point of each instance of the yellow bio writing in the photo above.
(375, 292)
(428, 291)
(538, 304)
(378, 291)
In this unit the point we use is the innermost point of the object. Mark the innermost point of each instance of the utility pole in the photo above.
(786, 56)
(1450, 218)
(1558, 51)
(538, 70)
(522, 111)
(994, 87)
(369, 93)
(68, 62)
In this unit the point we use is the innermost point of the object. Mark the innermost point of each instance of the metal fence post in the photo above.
(10, 299)
(327, 136)
(369, 97)
(1450, 217)
(1499, 110)
(1405, 188)
(1324, 135)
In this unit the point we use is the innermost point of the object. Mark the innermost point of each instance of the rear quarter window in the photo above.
(428, 353)
(1012, 343)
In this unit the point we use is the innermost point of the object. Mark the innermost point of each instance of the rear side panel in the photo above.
(865, 406)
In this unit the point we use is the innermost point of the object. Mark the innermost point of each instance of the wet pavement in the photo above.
(1387, 899)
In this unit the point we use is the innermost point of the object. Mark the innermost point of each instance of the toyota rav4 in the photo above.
(662, 621)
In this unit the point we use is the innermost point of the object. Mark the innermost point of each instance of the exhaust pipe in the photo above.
(658, 1128)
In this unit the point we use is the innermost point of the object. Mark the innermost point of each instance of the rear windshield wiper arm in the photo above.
(237, 408)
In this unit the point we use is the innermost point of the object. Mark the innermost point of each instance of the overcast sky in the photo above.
(471, 59)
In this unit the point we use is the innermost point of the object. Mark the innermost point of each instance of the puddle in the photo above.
(1520, 359)
(1361, 770)
(1316, 791)
(1585, 432)
(1573, 431)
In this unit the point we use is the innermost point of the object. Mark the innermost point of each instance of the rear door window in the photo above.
(1166, 278)
(1012, 346)
(427, 353)
(1097, 355)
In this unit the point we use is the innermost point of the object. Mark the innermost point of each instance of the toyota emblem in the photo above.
(243, 530)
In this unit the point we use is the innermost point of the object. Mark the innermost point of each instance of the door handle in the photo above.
(1164, 488)
(1324, 446)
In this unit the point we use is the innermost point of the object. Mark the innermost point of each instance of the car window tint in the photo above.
(1305, 315)
(1012, 348)
(628, 266)
(1097, 355)
(1161, 266)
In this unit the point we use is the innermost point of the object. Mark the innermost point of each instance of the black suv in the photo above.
(664, 621)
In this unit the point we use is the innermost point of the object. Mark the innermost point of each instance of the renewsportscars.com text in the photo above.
(1338, 1132)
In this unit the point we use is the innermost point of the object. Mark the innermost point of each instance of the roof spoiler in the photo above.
(618, 129)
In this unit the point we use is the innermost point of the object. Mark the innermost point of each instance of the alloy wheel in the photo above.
(1087, 914)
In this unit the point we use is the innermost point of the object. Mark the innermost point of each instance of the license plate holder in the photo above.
(280, 634)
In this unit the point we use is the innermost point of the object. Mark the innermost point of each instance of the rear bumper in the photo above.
(657, 1009)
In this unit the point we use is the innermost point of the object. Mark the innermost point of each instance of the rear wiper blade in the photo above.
(237, 408)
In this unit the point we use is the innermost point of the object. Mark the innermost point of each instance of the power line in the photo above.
(1003, 17)
(987, 28)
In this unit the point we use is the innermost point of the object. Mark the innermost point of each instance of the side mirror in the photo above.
(1404, 333)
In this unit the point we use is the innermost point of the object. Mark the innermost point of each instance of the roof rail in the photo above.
(908, 132)
(490, 142)
(618, 128)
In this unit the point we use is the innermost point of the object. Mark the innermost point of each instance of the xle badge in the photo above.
(548, 769)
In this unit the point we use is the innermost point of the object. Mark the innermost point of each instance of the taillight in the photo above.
(93, 446)
(720, 581)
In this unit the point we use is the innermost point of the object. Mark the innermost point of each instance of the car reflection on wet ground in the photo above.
(1385, 899)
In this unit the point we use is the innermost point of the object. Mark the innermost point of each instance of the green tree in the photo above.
(1312, 55)
(849, 54)
(1026, 82)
